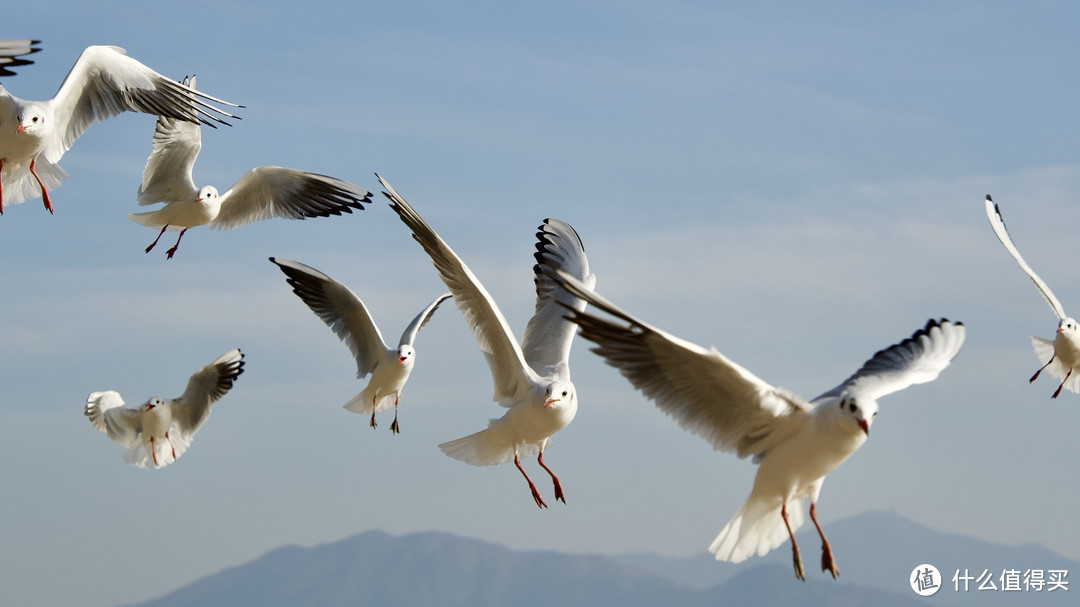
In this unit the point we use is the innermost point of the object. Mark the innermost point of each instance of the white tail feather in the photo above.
(139, 454)
(756, 528)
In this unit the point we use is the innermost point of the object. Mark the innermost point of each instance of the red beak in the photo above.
(549, 401)
(22, 127)
(865, 426)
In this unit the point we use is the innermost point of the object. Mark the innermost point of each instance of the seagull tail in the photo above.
(756, 528)
(167, 451)
(361, 403)
(483, 448)
(1044, 351)
(25, 187)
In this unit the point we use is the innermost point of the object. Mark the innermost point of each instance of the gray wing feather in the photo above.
(204, 388)
(997, 222)
(409, 336)
(270, 191)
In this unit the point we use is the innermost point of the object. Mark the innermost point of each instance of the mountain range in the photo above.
(876, 553)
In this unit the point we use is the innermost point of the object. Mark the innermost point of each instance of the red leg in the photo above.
(1041, 369)
(170, 252)
(794, 546)
(171, 446)
(154, 244)
(394, 427)
(827, 562)
(1058, 391)
(536, 494)
(44, 192)
(153, 451)
(374, 399)
(558, 486)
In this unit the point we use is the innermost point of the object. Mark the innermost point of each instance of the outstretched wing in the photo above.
(915, 360)
(409, 336)
(104, 82)
(993, 213)
(12, 53)
(707, 393)
(167, 174)
(106, 411)
(509, 371)
(204, 388)
(270, 191)
(340, 309)
(549, 335)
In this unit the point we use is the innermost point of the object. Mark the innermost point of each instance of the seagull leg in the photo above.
(153, 451)
(373, 400)
(794, 546)
(558, 486)
(394, 428)
(153, 244)
(171, 446)
(44, 192)
(827, 563)
(1058, 391)
(170, 252)
(1041, 369)
(536, 494)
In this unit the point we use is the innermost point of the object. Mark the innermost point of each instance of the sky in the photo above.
(797, 184)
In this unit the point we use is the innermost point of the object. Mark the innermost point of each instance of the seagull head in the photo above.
(405, 354)
(558, 393)
(861, 411)
(207, 194)
(31, 120)
(151, 404)
(1067, 326)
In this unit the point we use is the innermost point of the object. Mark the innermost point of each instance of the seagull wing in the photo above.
(204, 388)
(104, 82)
(549, 335)
(340, 309)
(409, 336)
(707, 393)
(509, 371)
(270, 191)
(12, 52)
(998, 223)
(915, 360)
(106, 411)
(167, 175)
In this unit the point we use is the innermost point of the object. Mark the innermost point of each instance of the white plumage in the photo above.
(531, 379)
(350, 320)
(160, 430)
(1062, 355)
(34, 135)
(260, 193)
(12, 53)
(794, 442)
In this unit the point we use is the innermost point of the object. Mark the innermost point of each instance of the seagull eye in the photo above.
(564, 393)
(851, 406)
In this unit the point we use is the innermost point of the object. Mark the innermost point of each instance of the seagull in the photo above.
(794, 442)
(160, 430)
(261, 193)
(1064, 350)
(347, 315)
(531, 379)
(34, 135)
(12, 53)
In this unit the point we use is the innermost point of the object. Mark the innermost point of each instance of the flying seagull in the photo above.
(350, 320)
(260, 193)
(1062, 355)
(12, 53)
(532, 380)
(160, 430)
(34, 135)
(794, 442)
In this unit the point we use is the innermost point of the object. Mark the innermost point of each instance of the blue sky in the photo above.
(797, 184)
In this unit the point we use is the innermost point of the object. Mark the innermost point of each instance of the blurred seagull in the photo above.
(532, 380)
(34, 135)
(12, 53)
(1064, 350)
(160, 430)
(261, 193)
(794, 441)
(343, 312)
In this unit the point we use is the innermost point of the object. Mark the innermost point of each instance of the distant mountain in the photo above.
(875, 552)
